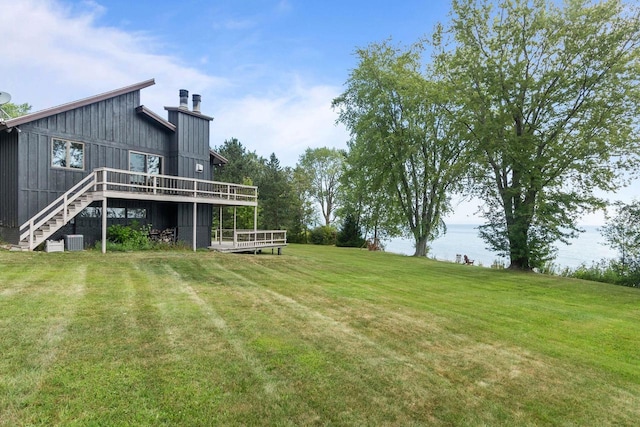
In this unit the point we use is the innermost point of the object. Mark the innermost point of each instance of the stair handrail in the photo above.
(53, 207)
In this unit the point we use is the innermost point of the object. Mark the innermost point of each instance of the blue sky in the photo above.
(267, 70)
(267, 41)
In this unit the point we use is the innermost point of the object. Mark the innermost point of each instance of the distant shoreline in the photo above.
(463, 239)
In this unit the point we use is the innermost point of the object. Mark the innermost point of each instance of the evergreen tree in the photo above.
(350, 234)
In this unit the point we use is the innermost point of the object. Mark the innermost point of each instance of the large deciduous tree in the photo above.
(322, 168)
(404, 154)
(549, 96)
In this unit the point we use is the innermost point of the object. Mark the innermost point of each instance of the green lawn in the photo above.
(317, 336)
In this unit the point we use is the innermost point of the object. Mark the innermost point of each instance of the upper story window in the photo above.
(146, 163)
(67, 154)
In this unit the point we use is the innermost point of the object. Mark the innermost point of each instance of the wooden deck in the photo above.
(249, 240)
(114, 183)
(106, 183)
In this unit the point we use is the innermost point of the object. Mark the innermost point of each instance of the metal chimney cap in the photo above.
(184, 98)
(196, 103)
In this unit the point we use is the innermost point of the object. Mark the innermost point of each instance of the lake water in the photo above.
(463, 239)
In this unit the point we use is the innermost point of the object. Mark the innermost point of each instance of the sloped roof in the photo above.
(217, 158)
(75, 104)
(144, 111)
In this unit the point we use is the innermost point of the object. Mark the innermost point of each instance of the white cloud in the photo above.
(284, 6)
(237, 24)
(54, 54)
(286, 124)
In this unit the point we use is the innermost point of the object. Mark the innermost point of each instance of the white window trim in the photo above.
(146, 154)
(68, 143)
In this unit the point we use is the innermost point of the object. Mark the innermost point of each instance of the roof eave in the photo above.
(75, 104)
(189, 112)
(142, 110)
(218, 159)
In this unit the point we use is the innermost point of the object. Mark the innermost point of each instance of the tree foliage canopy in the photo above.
(405, 155)
(14, 110)
(549, 99)
(279, 204)
(242, 163)
(622, 233)
(319, 170)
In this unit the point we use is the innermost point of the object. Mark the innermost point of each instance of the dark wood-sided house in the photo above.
(75, 169)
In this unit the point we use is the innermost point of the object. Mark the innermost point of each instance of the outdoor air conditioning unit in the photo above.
(199, 167)
(74, 242)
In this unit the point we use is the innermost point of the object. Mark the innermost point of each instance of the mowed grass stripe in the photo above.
(469, 355)
(103, 360)
(478, 352)
(133, 360)
(35, 313)
(526, 309)
(308, 350)
(558, 392)
(316, 336)
(271, 395)
(264, 341)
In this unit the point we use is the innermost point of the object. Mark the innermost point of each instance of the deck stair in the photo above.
(55, 216)
(107, 183)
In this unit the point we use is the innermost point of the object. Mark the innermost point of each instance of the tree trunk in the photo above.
(519, 247)
(421, 246)
(518, 226)
(519, 264)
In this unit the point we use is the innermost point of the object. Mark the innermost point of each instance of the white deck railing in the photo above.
(116, 180)
(250, 238)
(260, 238)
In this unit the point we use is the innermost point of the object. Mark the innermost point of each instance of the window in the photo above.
(116, 213)
(67, 154)
(90, 212)
(145, 163)
(136, 213)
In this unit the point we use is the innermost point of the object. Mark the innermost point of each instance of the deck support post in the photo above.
(195, 219)
(255, 229)
(220, 235)
(104, 225)
(235, 225)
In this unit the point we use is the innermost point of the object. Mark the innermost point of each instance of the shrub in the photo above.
(297, 236)
(128, 238)
(323, 235)
(350, 235)
(608, 271)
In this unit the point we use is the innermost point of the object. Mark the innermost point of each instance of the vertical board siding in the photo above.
(203, 226)
(192, 144)
(8, 180)
(108, 129)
